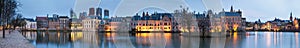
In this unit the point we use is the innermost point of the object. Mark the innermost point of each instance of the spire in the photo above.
(143, 13)
(231, 8)
(147, 14)
(291, 16)
(223, 10)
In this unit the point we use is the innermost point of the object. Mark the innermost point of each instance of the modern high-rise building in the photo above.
(106, 13)
(72, 14)
(99, 13)
(82, 15)
(92, 12)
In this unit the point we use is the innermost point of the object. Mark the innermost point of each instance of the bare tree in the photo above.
(7, 11)
(16, 21)
(186, 20)
(123, 26)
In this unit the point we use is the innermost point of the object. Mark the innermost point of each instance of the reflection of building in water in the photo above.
(196, 42)
(141, 40)
(156, 40)
(76, 36)
(52, 39)
(106, 40)
(30, 35)
(122, 40)
(90, 40)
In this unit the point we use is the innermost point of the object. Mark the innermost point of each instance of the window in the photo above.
(165, 23)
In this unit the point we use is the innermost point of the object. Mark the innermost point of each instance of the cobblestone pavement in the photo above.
(14, 39)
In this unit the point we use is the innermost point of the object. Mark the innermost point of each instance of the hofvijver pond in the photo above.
(161, 40)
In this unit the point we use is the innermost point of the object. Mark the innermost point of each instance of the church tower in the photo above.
(291, 16)
(231, 9)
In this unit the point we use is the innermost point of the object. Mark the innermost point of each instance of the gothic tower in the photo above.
(291, 16)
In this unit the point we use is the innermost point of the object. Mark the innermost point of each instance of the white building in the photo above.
(31, 24)
(90, 23)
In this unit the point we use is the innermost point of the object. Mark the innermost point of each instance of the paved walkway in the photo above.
(14, 40)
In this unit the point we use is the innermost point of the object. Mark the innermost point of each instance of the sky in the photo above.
(252, 9)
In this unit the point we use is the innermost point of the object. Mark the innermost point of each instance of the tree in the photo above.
(7, 11)
(17, 21)
(185, 20)
(22, 23)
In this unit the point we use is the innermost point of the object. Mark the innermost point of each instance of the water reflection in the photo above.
(161, 40)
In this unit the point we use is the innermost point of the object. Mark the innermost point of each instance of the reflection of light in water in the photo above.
(143, 35)
(296, 39)
(167, 38)
(76, 35)
(58, 34)
(275, 38)
(110, 35)
(142, 38)
(235, 38)
(268, 39)
(255, 42)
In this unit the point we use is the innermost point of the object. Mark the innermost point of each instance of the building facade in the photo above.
(42, 23)
(31, 24)
(53, 22)
(91, 23)
(64, 23)
(233, 20)
(154, 22)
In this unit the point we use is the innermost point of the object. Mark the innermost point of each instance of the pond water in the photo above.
(161, 40)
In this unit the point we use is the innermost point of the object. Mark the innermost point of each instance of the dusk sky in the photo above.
(252, 9)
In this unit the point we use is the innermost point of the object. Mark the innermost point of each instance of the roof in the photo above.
(41, 18)
(232, 14)
(200, 15)
(30, 19)
(155, 16)
(63, 17)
